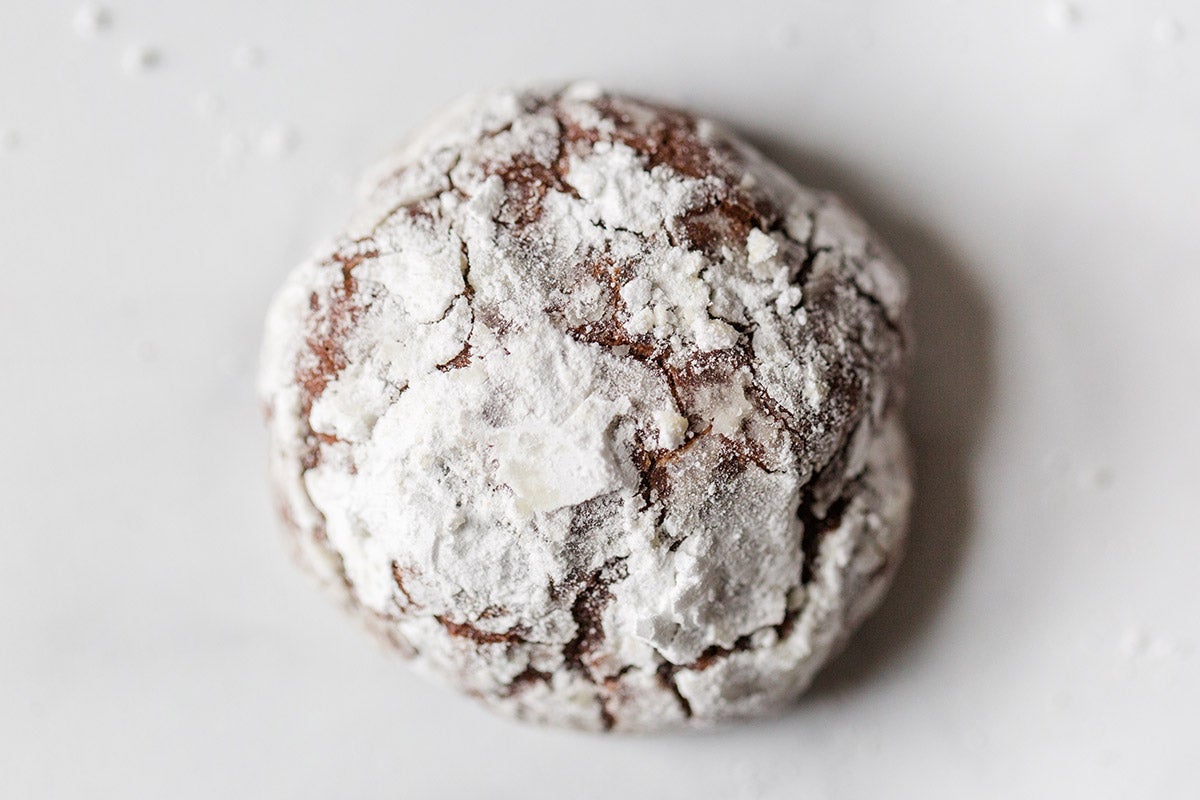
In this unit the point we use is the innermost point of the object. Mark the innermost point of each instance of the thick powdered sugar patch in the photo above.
(592, 412)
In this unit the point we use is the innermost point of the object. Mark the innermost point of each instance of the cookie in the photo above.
(594, 413)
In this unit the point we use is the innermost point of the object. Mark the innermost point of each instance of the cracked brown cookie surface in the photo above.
(593, 413)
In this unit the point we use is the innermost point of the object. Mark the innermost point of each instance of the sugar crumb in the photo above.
(208, 105)
(140, 59)
(1168, 31)
(277, 141)
(1062, 15)
(248, 56)
(91, 20)
(233, 146)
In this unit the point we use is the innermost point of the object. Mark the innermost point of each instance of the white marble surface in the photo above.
(1036, 163)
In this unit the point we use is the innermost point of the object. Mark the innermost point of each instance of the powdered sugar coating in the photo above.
(593, 412)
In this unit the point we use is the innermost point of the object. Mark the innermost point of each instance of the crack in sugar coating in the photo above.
(592, 412)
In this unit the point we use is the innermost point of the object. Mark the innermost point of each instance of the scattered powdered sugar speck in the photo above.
(91, 20)
(233, 146)
(140, 59)
(208, 105)
(1062, 15)
(10, 140)
(1168, 31)
(277, 141)
(248, 56)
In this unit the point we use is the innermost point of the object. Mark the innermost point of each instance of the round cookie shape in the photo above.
(593, 412)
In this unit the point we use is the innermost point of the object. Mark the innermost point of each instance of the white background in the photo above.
(1040, 172)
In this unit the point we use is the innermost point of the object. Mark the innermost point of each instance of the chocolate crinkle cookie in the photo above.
(594, 413)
